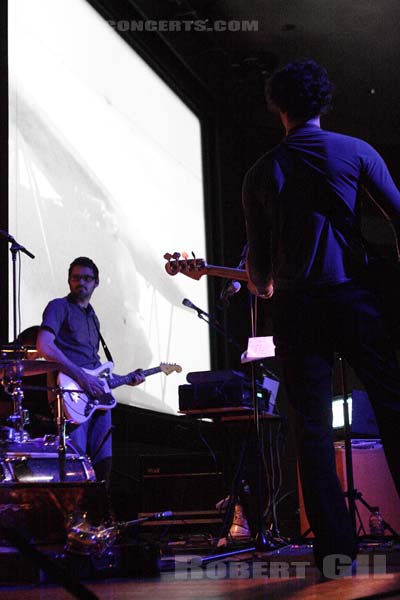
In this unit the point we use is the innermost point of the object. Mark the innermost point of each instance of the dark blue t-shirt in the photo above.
(76, 330)
(301, 203)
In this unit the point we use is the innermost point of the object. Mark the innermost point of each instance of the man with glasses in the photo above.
(70, 335)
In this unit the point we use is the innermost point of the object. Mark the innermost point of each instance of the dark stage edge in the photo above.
(231, 582)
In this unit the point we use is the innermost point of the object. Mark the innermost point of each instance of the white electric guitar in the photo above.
(79, 407)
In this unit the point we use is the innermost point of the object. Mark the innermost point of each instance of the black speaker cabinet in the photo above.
(181, 482)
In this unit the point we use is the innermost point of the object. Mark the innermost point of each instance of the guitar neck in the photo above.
(227, 272)
(118, 380)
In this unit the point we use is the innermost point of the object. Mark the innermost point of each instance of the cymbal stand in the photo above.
(12, 384)
(61, 430)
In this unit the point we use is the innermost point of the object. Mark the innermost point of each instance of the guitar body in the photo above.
(78, 406)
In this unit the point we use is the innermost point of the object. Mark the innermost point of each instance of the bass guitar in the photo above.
(79, 407)
(379, 274)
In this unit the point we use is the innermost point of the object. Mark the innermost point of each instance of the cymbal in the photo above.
(9, 351)
(8, 348)
(29, 367)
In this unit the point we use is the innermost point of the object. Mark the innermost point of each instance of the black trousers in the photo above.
(309, 327)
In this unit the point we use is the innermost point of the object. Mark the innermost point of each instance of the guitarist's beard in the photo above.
(81, 294)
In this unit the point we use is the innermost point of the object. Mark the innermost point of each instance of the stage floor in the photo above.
(285, 573)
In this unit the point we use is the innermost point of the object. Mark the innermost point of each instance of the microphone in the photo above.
(230, 289)
(167, 514)
(189, 304)
(6, 235)
(15, 245)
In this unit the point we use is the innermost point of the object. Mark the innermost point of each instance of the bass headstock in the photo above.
(191, 267)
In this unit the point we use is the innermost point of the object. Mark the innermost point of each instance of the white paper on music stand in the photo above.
(258, 348)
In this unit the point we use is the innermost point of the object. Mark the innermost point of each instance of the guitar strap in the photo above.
(103, 343)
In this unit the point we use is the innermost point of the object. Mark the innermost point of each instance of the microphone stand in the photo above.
(19, 416)
(213, 323)
(14, 249)
(261, 542)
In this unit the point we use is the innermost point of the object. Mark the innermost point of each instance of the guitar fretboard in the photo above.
(118, 380)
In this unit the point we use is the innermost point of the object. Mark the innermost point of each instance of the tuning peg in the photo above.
(176, 255)
(167, 256)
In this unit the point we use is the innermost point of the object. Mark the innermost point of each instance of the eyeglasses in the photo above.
(86, 278)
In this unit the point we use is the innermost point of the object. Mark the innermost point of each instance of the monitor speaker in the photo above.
(371, 477)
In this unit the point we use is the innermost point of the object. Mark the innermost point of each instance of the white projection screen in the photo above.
(105, 162)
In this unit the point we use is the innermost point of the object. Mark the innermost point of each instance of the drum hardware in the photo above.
(6, 434)
(11, 351)
(37, 461)
(61, 422)
(12, 373)
(12, 380)
(85, 538)
(28, 367)
(61, 428)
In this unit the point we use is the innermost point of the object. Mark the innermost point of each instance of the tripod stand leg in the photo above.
(348, 449)
(61, 423)
(371, 509)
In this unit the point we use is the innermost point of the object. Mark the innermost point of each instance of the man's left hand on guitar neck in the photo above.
(137, 377)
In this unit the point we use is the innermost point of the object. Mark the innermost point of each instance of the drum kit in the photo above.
(22, 458)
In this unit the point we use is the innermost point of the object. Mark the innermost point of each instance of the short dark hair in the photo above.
(84, 261)
(301, 89)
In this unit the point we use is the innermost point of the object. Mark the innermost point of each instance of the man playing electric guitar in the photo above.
(70, 335)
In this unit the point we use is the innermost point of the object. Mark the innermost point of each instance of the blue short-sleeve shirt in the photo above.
(76, 329)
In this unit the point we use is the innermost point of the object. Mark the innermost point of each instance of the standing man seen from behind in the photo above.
(70, 335)
(301, 204)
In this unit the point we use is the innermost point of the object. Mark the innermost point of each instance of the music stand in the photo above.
(262, 542)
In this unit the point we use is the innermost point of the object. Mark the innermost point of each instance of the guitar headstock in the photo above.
(168, 368)
(191, 267)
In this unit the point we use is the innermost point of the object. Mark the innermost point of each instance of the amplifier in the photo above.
(181, 482)
(371, 477)
(233, 393)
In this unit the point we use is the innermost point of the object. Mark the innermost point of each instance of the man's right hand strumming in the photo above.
(94, 386)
